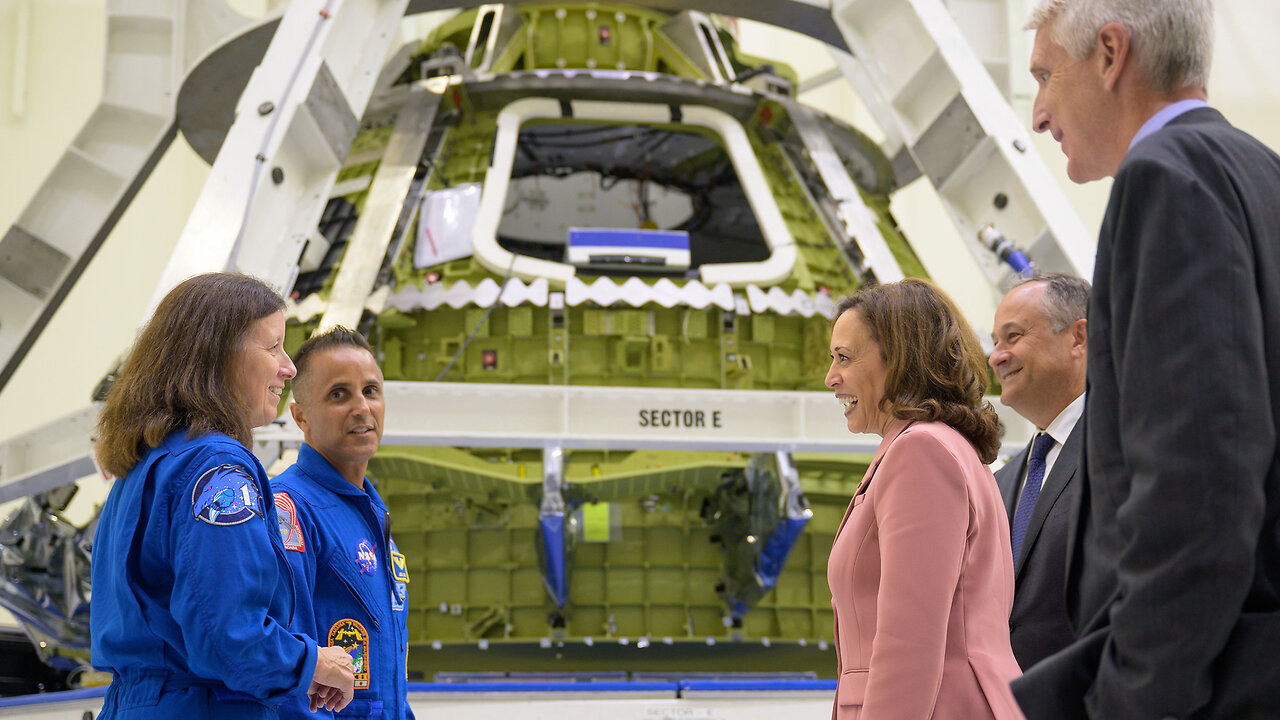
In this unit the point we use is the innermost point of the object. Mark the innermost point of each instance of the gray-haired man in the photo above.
(1041, 341)
(1173, 574)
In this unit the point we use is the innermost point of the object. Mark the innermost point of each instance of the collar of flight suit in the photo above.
(312, 464)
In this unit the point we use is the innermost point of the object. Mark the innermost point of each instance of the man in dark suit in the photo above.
(1041, 341)
(1173, 572)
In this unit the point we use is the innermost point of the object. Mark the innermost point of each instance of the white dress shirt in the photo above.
(1060, 429)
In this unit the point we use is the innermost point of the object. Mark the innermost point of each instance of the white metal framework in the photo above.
(925, 85)
(294, 123)
(523, 416)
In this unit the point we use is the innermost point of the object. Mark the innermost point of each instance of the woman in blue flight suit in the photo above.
(350, 577)
(192, 595)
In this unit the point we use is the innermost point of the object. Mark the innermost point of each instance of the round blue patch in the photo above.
(366, 557)
(225, 495)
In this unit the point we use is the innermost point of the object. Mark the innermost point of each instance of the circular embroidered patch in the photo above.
(366, 556)
(225, 495)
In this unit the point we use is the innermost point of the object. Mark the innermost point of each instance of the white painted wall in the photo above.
(45, 98)
(100, 316)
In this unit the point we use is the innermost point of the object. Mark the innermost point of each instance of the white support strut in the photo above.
(294, 126)
(925, 84)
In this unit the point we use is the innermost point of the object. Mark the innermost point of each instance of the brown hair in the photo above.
(936, 369)
(335, 337)
(179, 371)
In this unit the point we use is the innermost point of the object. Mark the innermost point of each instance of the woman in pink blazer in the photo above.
(921, 571)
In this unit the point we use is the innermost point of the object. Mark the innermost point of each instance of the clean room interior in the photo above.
(51, 76)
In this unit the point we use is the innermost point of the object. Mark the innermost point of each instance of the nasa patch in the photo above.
(351, 636)
(290, 528)
(225, 495)
(366, 556)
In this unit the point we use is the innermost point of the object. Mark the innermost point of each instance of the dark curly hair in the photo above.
(179, 371)
(936, 370)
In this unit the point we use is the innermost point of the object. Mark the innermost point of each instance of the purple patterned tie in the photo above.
(1030, 491)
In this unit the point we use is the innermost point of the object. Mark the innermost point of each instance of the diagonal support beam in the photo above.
(294, 126)
(384, 212)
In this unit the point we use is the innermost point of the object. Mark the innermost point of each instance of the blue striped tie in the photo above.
(1030, 491)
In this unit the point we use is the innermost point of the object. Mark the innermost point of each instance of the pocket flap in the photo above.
(852, 688)
(344, 570)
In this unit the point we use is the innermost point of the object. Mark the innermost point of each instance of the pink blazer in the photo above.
(921, 576)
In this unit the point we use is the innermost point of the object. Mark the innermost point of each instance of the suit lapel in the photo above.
(1064, 469)
(894, 431)
(1075, 524)
(1009, 480)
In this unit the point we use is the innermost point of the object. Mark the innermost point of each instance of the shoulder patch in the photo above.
(225, 495)
(290, 527)
(399, 568)
(400, 578)
(351, 636)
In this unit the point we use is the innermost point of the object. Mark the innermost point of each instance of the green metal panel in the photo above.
(467, 519)
(686, 348)
(467, 525)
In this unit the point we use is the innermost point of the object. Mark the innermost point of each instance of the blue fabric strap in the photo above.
(1030, 491)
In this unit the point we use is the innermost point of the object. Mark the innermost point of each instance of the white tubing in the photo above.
(493, 196)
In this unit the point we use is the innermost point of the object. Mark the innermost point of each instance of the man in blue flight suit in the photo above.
(351, 580)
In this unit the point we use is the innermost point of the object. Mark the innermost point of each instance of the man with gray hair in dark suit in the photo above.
(1041, 341)
(1173, 568)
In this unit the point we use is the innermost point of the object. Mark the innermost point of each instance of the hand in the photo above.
(323, 696)
(334, 680)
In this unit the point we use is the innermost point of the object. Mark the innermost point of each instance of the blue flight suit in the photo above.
(350, 579)
(192, 595)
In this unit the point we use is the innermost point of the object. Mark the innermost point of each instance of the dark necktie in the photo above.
(1030, 491)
